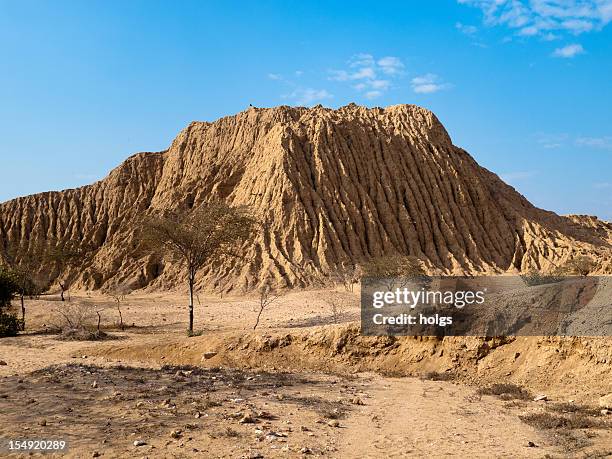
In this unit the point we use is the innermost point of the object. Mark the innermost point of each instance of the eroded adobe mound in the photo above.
(331, 186)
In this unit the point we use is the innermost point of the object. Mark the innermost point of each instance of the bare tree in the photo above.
(338, 304)
(267, 296)
(347, 275)
(63, 255)
(199, 237)
(118, 293)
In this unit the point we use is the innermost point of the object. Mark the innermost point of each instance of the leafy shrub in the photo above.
(8, 287)
(9, 324)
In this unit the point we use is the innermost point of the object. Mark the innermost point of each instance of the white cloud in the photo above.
(364, 72)
(551, 141)
(428, 84)
(362, 60)
(542, 17)
(602, 143)
(380, 84)
(275, 76)
(308, 96)
(466, 29)
(568, 51)
(391, 65)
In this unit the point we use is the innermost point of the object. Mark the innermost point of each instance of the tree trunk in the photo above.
(258, 316)
(62, 294)
(22, 312)
(191, 282)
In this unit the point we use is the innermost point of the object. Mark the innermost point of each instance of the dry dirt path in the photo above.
(409, 417)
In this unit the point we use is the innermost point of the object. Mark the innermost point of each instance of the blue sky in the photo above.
(524, 86)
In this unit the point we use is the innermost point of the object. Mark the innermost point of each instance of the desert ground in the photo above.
(303, 384)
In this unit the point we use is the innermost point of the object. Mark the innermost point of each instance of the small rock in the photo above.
(606, 402)
(606, 412)
(333, 423)
(140, 443)
(140, 404)
(197, 415)
(247, 419)
(540, 398)
(83, 356)
(3, 363)
(279, 397)
(357, 401)
(305, 450)
(531, 444)
(94, 384)
(176, 433)
(208, 355)
(96, 454)
(42, 422)
(304, 429)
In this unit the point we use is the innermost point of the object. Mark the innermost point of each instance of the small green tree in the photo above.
(578, 266)
(393, 270)
(9, 323)
(198, 237)
(62, 255)
(25, 264)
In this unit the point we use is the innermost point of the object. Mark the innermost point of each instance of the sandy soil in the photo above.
(253, 401)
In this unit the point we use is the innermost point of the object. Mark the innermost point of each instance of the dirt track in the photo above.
(141, 394)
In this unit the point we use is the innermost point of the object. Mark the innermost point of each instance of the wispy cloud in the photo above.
(391, 65)
(275, 76)
(428, 84)
(308, 96)
(540, 17)
(569, 51)
(466, 29)
(602, 143)
(369, 75)
(551, 141)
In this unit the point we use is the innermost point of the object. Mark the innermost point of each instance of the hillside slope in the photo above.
(332, 186)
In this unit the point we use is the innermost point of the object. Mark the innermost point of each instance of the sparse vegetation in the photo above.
(62, 255)
(393, 269)
(578, 266)
(506, 391)
(75, 322)
(266, 296)
(534, 278)
(338, 305)
(118, 293)
(195, 238)
(347, 275)
(437, 376)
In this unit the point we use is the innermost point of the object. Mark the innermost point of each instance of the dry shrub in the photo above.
(339, 304)
(436, 376)
(78, 322)
(506, 391)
